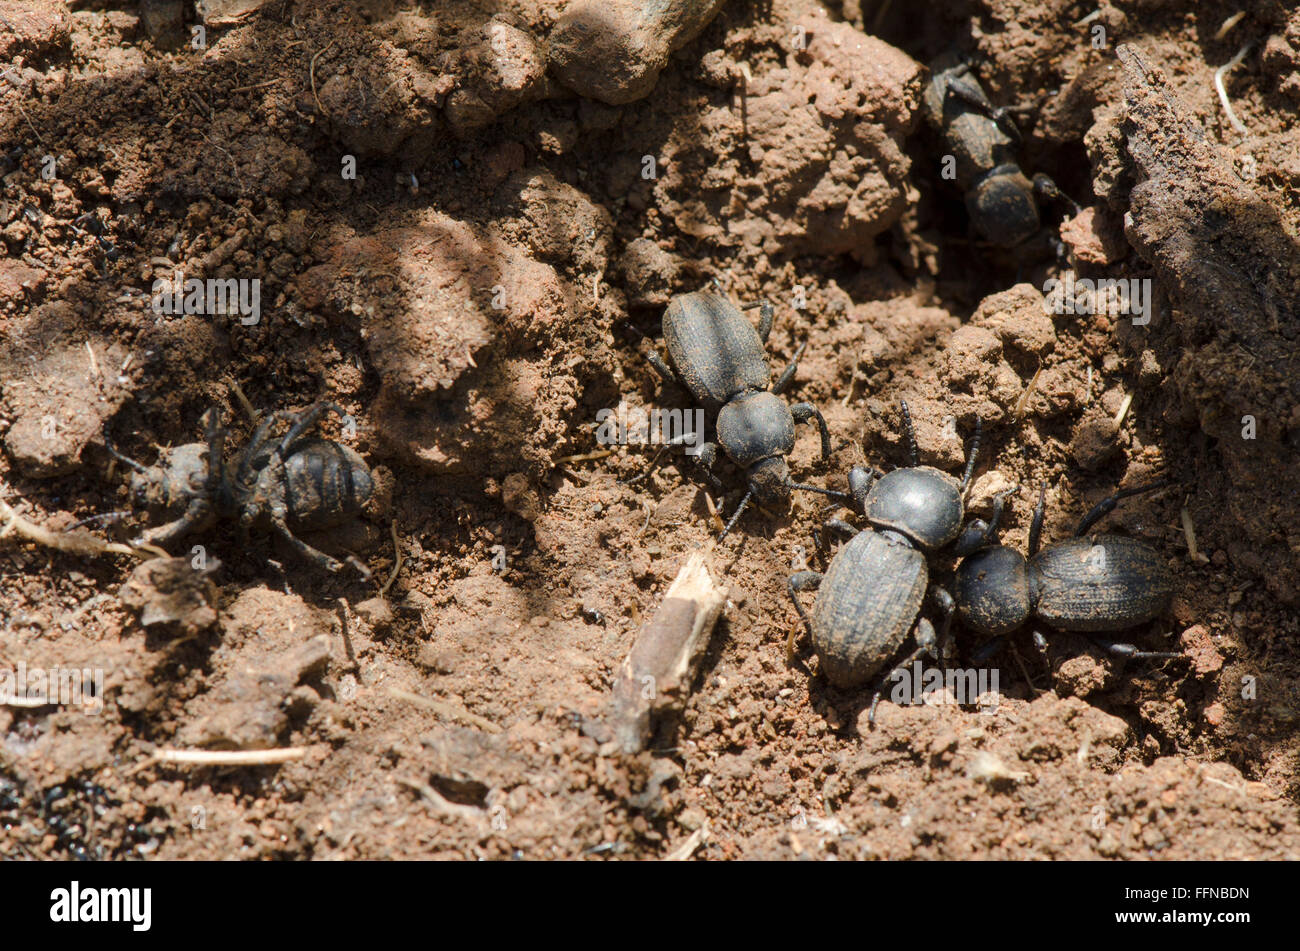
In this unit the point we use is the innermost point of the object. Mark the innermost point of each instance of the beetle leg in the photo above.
(1004, 120)
(1123, 649)
(802, 412)
(1040, 642)
(1107, 505)
(110, 517)
(765, 314)
(947, 604)
(705, 460)
(913, 454)
(654, 464)
(927, 642)
(841, 526)
(974, 454)
(1060, 250)
(216, 435)
(979, 533)
(112, 451)
(926, 638)
(1036, 526)
(681, 440)
(833, 526)
(788, 373)
(964, 87)
(661, 367)
(986, 652)
(362, 570)
(262, 434)
(196, 516)
(311, 554)
(805, 487)
(652, 355)
(257, 444)
(306, 420)
(803, 581)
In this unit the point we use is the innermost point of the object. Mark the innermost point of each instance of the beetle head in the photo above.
(180, 475)
(149, 488)
(770, 480)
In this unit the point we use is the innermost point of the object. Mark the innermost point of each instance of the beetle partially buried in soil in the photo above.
(289, 483)
(1089, 584)
(869, 600)
(1003, 202)
(718, 356)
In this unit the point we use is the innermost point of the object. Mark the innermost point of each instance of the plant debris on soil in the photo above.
(461, 221)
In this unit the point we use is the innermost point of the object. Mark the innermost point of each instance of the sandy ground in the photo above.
(468, 256)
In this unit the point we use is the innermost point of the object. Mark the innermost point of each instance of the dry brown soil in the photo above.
(469, 298)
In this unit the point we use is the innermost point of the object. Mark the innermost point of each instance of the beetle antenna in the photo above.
(818, 489)
(112, 451)
(120, 514)
(1036, 526)
(641, 335)
(735, 516)
(1107, 505)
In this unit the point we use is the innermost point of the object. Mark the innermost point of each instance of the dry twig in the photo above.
(312, 74)
(78, 543)
(657, 673)
(230, 757)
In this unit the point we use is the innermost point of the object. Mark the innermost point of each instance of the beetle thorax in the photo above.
(1003, 208)
(920, 503)
(755, 426)
(996, 590)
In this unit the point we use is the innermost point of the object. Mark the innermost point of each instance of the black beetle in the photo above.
(1089, 584)
(870, 598)
(1001, 200)
(718, 356)
(288, 482)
